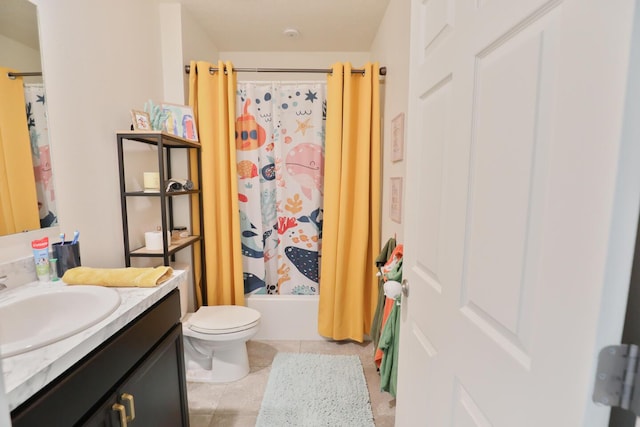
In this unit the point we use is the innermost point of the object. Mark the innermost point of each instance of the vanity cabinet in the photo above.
(140, 368)
(148, 396)
(166, 144)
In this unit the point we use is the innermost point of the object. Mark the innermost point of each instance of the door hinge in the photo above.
(617, 379)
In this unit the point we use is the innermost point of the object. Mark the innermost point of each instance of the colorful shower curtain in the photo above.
(280, 153)
(41, 153)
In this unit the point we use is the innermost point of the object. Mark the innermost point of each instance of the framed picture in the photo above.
(179, 121)
(396, 200)
(397, 138)
(141, 120)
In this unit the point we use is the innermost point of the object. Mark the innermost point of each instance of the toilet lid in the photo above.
(220, 319)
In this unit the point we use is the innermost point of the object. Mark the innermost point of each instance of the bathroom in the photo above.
(118, 51)
(100, 59)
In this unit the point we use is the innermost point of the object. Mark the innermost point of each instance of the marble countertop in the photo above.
(25, 374)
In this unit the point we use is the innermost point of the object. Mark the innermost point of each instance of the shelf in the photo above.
(157, 193)
(166, 144)
(175, 246)
(151, 137)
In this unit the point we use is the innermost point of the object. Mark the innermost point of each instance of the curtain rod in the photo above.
(25, 74)
(383, 70)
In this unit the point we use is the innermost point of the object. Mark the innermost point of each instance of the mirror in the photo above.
(20, 51)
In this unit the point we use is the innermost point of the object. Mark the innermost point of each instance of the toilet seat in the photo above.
(223, 319)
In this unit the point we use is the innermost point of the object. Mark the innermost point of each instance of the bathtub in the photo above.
(286, 317)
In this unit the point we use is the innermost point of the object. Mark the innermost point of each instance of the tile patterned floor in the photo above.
(237, 404)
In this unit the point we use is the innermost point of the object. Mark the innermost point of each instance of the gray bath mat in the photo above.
(315, 390)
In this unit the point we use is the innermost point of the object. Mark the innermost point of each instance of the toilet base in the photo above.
(229, 364)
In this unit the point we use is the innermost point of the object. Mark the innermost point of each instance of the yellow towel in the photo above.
(118, 277)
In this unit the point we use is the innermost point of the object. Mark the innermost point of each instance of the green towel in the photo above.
(384, 255)
(396, 272)
(389, 346)
(381, 260)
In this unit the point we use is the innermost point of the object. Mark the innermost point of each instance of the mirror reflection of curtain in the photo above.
(18, 201)
(41, 153)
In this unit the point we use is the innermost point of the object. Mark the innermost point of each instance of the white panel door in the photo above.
(519, 241)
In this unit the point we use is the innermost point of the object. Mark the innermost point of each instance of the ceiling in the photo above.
(258, 25)
(251, 25)
(18, 21)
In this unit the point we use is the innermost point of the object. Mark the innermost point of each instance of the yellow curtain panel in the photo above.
(18, 199)
(351, 230)
(212, 97)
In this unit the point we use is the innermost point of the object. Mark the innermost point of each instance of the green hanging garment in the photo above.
(389, 345)
(381, 260)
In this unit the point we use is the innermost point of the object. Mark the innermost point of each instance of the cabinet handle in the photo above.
(123, 413)
(132, 408)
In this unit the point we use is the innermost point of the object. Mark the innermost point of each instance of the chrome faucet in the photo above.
(2, 284)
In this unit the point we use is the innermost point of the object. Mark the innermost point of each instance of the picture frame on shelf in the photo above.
(395, 212)
(397, 138)
(140, 120)
(180, 121)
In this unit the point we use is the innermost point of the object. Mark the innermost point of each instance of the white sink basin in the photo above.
(34, 318)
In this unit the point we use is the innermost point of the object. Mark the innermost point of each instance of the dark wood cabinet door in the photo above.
(155, 393)
(158, 387)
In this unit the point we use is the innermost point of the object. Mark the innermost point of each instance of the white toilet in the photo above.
(215, 341)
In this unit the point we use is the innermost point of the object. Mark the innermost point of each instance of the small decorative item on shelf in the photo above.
(151, 182)
(179, 121)
(157, 115)
(179, 232)
(141, 120)
(179, 185)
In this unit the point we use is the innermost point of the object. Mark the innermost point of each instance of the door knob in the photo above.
(405, 287)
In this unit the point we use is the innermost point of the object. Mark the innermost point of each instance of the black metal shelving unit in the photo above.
(165, 143)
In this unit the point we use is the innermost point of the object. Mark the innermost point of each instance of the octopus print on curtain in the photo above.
(41, 154)
(280, 154)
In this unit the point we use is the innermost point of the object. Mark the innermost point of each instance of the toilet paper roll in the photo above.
(153, 240)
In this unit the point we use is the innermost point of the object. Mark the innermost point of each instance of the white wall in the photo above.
(20, 57)
(171, 37)
(100, 59)
(96, 71)
(196, 45)
(391, 48)
(183, 40)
